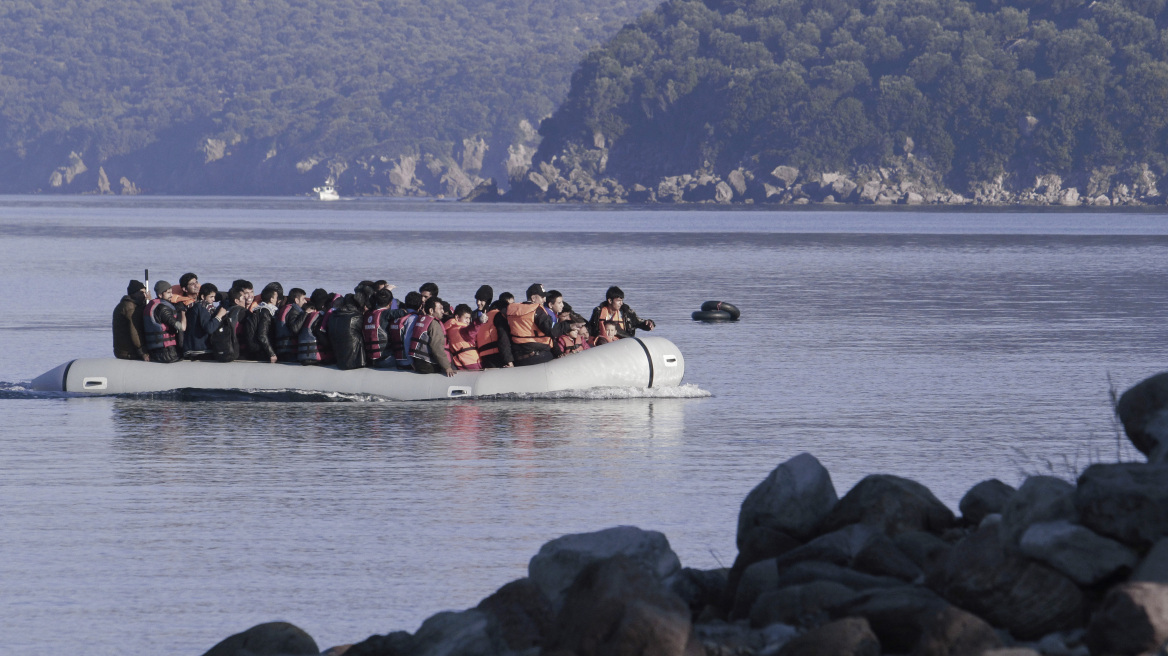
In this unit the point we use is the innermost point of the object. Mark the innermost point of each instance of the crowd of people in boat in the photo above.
(369, 327)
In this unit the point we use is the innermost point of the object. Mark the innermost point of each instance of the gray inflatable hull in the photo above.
(641, 362)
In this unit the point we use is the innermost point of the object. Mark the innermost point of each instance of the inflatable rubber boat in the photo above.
(642, 362)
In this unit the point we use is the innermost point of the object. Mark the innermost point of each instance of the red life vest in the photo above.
(158, 335)
(420, 340)
(325, 348)
(521, 321)
(460, 346)
(570, 345)
(375, 337)
(285, 338)
(306, 350)
(400, 335)
(487, 338)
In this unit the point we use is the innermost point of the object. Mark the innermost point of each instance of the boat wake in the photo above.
(688, 391)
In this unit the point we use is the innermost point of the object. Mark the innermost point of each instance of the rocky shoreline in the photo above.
(583, 175)
(1049, 568)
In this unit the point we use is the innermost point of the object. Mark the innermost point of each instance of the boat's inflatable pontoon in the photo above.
(636, 362)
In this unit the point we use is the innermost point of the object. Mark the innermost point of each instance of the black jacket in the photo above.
(632, 322)
(201, 322)
(344, 334)
(259, 330)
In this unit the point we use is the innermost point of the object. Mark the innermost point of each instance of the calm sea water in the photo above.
(947, 347)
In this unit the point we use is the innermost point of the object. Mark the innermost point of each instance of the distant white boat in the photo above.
(327, 192)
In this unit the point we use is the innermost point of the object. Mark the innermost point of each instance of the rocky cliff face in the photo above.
(579, 174)
(189, 161)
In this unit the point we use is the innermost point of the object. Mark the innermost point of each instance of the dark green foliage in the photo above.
(980, 86)
(107, 77)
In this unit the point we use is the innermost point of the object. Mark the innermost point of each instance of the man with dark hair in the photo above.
(614, 309)
(257, 328)
(201, 322)
(287, 323)
(428, 289)
(344, 332)
(492, 339)
(428, 341)
(225, 341)
(128, 331)
(248, 290)
(378, 326)
(163, 325)
(531, 329)
(186, 292)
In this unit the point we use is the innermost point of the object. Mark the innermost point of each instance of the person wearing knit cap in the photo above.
(163, 324)
(129, 338)
(483, 298)
(531, 330)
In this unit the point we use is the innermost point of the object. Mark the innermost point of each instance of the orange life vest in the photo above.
(487, 338)
(463, 353)
(521, 321)
(607, 314)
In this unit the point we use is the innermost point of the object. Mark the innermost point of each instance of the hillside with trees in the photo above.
(275, 96)
(949, 101)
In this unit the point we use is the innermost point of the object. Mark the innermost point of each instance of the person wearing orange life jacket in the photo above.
(460, 340)
(531, 329)
(492, 340)
(427, 340)
(608, 333)
(378, 325)
(163, 325)
(614, 309)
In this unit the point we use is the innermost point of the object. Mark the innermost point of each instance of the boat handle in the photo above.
(453, 392)
(670, 360)
(95, 383)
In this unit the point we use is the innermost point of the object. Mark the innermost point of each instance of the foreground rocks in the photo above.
(1048, 568)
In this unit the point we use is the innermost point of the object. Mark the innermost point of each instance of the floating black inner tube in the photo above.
(713, 315)
(721, 306)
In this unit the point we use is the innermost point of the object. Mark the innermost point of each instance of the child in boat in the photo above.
(609, 335)
(572, 342)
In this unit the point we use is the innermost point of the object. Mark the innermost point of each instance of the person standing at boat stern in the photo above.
(129, 334)
(614, 309)
(531, 329)
(163, 325)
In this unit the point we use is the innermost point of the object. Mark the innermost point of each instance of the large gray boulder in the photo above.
(793, 499)
(847, 637)
(759, 544)
(985, 498)
(1154, 567)
(811, 570)
(617, 608)
(268, 639)
(757, 579)
(785, 175)
(523, 614)
(926, 550)
(1133, 619)
(897, 615)
(861, 547)
(799, 605)
(1040, 499)
(954, 632)
(560, 561)
(1080, 553)
(1143, 410)
(465, 633)
(1007, 589)
(1124, 501)
(892, 504)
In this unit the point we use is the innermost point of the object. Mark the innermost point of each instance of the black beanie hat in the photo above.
(134, 287)
(535, 289)
(485, 294)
